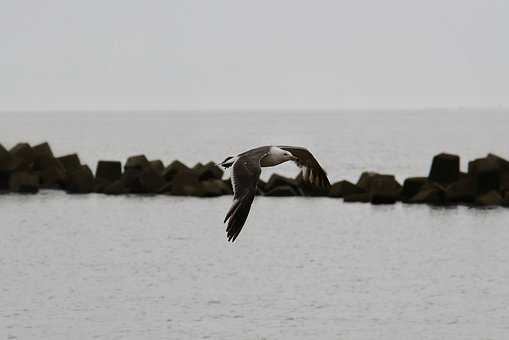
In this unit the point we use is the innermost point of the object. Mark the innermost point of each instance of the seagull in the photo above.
(246, 172)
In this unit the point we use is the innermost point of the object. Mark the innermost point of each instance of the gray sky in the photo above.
(190, 54)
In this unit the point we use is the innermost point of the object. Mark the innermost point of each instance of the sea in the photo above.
(160, 267)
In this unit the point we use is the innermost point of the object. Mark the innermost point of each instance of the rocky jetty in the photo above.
(27, 169)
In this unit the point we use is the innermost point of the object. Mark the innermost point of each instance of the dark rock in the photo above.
(5, 157)
(280, 181)
(4, 181)
(131, 180)
(486, 173)
(225, 185)
(70, 162)
(384, 189)
(504, 182)
(106, 174)
(44, 159)
(100, 184)
(157, 165)
(186, 183)
(24, 182)
(430, 194)
(365, 179)
(506, 199)
(116, 188)
(23, 151)
(344, 188)
(503, 173)
(6, 167)
(80, 181)
(381, 189)
(47, 163)
(197, 167)
(486, 164)
(42, 149)
(462, 191)
(411, 186)
(109, 170)
(53, 177)
(282, 191)
(141, 176)
(209, 171)
(173, 169)
(8, 163)
(136, 162)
(359, 198)
(150, 180)
(503, 164)
(445, 168)
(490, 198)
(212, 188)
(463, 174)
(166, 188)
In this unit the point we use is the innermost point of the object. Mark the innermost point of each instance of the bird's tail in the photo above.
(227, 162)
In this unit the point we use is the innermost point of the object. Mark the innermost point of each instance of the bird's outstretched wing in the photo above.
(312, 171)
(245, 173)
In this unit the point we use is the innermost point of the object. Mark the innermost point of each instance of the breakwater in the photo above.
(27, 169)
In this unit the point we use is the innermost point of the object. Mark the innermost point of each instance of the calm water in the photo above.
(83, 267)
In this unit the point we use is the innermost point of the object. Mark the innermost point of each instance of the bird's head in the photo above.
(288, 156)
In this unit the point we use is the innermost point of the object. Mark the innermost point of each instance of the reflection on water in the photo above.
(159, 267)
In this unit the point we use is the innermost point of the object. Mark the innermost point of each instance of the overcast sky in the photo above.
(190, 54)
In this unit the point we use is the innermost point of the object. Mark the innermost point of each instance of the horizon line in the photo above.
(267, 109)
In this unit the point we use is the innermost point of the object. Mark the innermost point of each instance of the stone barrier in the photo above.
(27, 169)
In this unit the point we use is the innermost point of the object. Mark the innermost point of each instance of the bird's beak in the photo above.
(295, 159)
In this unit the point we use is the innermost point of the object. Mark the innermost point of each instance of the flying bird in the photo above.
(246, 169)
